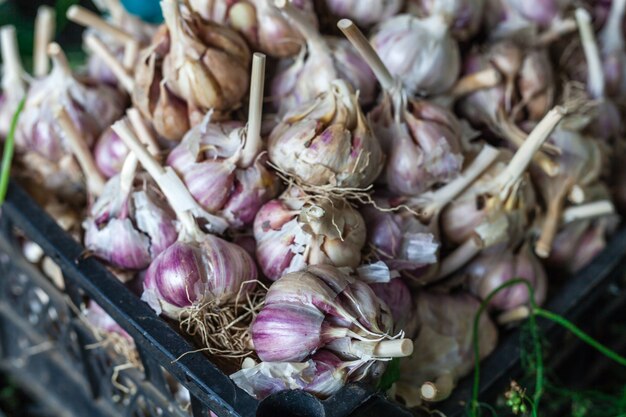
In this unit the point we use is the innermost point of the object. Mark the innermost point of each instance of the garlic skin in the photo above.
(423, 148)
(466, 15)
(100, 319)
(292, 233)
(541, 12)
(327, 142)
(209, 154)
(405, 40)
(577, 244)
(129, 230)
(92, 108)
(364, 12)
(444, 343)
(315, 69)
(191, 66)
(109, 153)
(397, 296)
(189, 274)
(322, 375)
(322, 308)
(499, 265)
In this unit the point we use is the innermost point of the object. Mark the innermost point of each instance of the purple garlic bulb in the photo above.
(364, 12)
(322, 308)
(327, 141)
(129, 228)
(110, 153)
(292, 233)
(400, 240)
(322, 375)
(91, 107)
(210, 153)
(422, 142)
(577, 244)
(318, 65)
(420, 52)
(445, 347)
(497, 266)
(466, 15)
(100, 319)
(397, 296)
(523, 19)
(189, 274)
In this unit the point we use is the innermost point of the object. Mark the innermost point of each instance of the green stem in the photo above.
(7, 154)
(580, 334)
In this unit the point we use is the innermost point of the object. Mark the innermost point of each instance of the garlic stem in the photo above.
(550, 225)
(559, 28)
(142, 131)
(588, 211)
(438, 390)
(84, 17)
(12, 64)
(611, 37)
(384, 349)
(253, 143)
(480, 80)
(459, 257)
(44, 33)
(442, 196)
(313, 37)
(127, 174)
(131, 51)
(515, 315)
(363, 46)
(172, 187)
(514, 170)
(100, 49)
(595, 81)
(59, 59)
(95, 181)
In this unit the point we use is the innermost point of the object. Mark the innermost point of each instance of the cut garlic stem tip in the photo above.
(253, 144)
(44, 32)
(10, 52)
(576, 194)
(58, 57)
(515, 315)
(84, 17)
(428, 391)
(365, 49)
(394, 348)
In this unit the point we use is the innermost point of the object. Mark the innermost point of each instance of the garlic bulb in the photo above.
(192, 66)
(577, 244)
(319, 64)
(292, 233)
(466, 15)
(209, 154)
(109, 153)
(420, 52)
(129, 228)
(444, 343)
(322, 375)
(499, 265)
(364, 12)
(327, 142)
(100, 319)
(321, 307)
(398, 297)
(423, 149)
(189, 274)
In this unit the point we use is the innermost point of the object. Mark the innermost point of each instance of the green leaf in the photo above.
(7, 155)
(391, 375)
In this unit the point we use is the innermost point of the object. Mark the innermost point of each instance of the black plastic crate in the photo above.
(46, 347)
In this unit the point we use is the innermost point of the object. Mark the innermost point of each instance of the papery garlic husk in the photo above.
(110, 153)
(321, 307)
(322, 375)
(364, 12)
(292, 233)
(498, 265)
(189, 274)
(316, 68)
(327, 142)
(398, 297)
(92, 108)
(420, 52)
(208, 154)
(128, 230)
(422, 143)
(191, 66)
(445, 344)
(466, 15)
(460, 219)
(399, 239)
